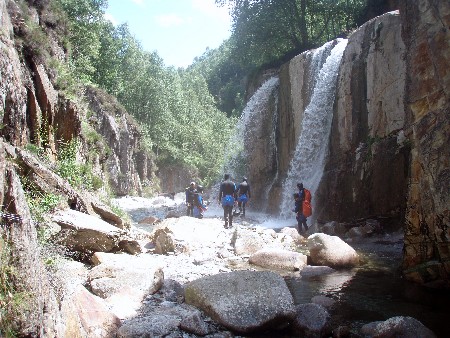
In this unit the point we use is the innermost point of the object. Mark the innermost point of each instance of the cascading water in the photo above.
(236, 155)
(308, 161)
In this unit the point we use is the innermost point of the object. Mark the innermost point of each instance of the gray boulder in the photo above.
(243, 301)
(331, 251)
(312, 320)
(279, 259)
(124, 281)
(394, 327)
(85, 233)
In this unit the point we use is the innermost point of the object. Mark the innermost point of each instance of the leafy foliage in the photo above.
(78, 175)
(12, 301)
(187, 114)
(265, 31)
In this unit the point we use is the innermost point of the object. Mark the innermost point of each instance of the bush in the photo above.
(12, 302)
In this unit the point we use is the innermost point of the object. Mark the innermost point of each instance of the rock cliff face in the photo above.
(131, 169)
(426, 32)
(388, 155)
(34, 112)
(366, 173)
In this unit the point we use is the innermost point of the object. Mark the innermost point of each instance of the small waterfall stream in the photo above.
(236, 155)
(308, 161)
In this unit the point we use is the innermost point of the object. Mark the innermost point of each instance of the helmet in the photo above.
(200, 188)
(244, 178)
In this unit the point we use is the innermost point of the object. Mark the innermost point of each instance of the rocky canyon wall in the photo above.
(367, 168)
(389, 151)
(426, 32)
(33, 111)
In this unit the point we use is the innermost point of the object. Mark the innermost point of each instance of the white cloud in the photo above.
(169, 20)
(110, 18)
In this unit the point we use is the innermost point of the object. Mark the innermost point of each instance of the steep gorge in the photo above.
(388, 154)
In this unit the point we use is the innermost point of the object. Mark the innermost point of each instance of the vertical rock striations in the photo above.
(426, 31)
(366, 172)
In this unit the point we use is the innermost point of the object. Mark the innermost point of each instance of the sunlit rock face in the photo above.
(427, 104)
(367, 168)
(388, 152)
(368, 153)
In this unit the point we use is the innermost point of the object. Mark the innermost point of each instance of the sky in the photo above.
(179, 30)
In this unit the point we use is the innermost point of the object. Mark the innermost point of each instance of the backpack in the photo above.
(306, 207)
(307, 195)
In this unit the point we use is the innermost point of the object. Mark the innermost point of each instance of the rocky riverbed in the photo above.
(169, 275)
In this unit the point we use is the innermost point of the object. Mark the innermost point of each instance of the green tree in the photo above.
(267, 30)
(86, 20)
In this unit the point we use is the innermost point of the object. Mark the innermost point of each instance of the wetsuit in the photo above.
(243, 189)
(227, 188)
(190, 200)
(301, 219)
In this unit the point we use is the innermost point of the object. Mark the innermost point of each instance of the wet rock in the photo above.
(326, 302)
(311, 271)
(397, 327)
(312, 320)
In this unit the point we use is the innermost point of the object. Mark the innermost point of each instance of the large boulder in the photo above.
(94, 315)
(279, 259)
(243, 301)
(248, 241)
(124, 281)
(397, 327)
(331, 251)
(312, 320)
(85, 233)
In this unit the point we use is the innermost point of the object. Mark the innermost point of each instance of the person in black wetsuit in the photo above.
(301, 219)
(243, 195)
(190, 199)
(227, 196)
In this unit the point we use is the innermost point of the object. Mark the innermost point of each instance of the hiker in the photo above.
(301, 219)
(243, 195)
(227, 196)
(190, 191)
(199, 205)
(304, 209)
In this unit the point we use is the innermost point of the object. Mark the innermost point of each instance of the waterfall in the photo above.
(308, 161)
(236, 154)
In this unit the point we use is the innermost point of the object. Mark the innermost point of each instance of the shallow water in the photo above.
(374, 291)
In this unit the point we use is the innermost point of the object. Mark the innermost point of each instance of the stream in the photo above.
(374, 291)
